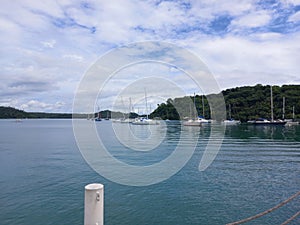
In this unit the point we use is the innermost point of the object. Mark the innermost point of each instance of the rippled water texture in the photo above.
(43, 174)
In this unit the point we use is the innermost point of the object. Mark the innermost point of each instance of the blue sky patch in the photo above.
(220, 24)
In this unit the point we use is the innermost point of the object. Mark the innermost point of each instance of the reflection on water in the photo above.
(139, 137)
(146, 144)
(264, 132)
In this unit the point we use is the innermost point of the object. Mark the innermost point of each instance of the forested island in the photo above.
(12, 113)
(245, 103)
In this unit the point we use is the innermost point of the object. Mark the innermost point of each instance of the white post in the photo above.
(93, 204)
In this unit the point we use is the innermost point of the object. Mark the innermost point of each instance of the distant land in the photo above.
(246, 103)
(12, 113)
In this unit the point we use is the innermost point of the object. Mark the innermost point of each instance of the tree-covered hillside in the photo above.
(9, 112)
(245, 102)
(12, 113)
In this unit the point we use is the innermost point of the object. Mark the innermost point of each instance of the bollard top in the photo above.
(92, 187)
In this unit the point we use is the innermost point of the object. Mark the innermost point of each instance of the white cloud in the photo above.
(271, 36)
(48, 45)
(238, 61)
(10, 32)
(295, 17)
(75, 57)
(293, 2)
(36, 106)
(214, 7)
(254, 19)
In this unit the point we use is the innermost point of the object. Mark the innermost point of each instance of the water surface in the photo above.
(42, 177)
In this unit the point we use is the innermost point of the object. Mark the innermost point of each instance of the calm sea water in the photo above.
(42, 177)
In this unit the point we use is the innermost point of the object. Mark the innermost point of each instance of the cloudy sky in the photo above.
(47, 46)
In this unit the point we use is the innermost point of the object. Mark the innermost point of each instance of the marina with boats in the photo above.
(251, 105)
(198, 111)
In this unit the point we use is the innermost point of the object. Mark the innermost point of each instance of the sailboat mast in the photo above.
(293, 112)
(195, 105)
(123, 105)
(203, 106)
(283, 107)
(130, 106)
(99, 115)
(272, 114)
(146, 104)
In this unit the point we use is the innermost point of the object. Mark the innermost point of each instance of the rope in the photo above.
(267, 211)
(290, 219)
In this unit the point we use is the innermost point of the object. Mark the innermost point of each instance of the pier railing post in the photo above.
(93, 204)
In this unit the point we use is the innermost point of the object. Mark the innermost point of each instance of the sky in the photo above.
(48, 46)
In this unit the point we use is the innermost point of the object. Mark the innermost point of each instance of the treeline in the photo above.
(12, 113)
(245, 103)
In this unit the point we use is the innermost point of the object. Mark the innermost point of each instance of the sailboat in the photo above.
(193, 122)
(202, 118)
(98, 118)
(145, 120)
(230, 121)
(268, 122)
(289, 122)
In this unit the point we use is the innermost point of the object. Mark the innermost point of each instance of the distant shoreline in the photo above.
(245, 103)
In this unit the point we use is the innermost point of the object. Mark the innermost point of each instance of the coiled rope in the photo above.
(270, 210)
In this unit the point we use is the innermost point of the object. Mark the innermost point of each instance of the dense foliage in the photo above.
(246, 103)
(9, 112)
(12, 113)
